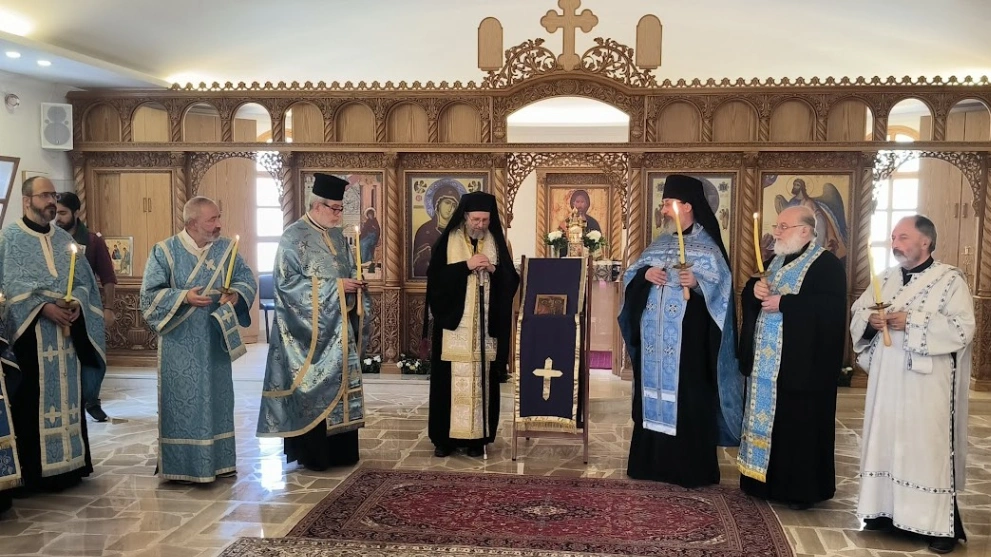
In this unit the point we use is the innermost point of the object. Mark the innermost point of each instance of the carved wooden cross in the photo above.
(547, 373)
(570, 21)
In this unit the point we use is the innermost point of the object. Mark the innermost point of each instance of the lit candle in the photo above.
(357, 249)
(230, 265)
(874, 282)
(681, 238)
(760, 260)
(72, 271)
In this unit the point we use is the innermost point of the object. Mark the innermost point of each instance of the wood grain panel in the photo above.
(734, 121)
(680, 122)
(459, 123)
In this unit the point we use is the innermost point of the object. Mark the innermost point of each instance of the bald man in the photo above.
(791, 348)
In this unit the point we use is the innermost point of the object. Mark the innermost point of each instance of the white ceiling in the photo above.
(143, 43)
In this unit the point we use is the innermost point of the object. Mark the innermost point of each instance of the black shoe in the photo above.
(879, 524)
(475, 451)
(96, 412)
(441, 452)
(942, 545)
(799, 506)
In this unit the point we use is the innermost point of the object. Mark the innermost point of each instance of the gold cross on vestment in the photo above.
(210, 265)
(547, 373)
(570, 21)
(52, 415)
(51, 353)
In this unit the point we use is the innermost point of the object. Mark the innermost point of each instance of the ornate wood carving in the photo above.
(971, 164)
(130, 332)
(375, 326)
(749, 195)
(390, 324)
(981, 372)
(541, 210)
(445, 161)
(863, 204)
(130, 159)
(415, 308)
(180, 188)
(808, 160)
(692, 161)
(499, 186)
(344, 161)
(199, 163)
(125, 111)
(393, 224)
(176, 109)
(79, 181)
(520, 165)
(983, 262)
(635, 226)
(225, 110)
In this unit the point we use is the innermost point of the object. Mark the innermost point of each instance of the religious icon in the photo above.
(718, 188)
(827, 195)
(362, 200)
(551, 304)
(120, 248)
(431, 201)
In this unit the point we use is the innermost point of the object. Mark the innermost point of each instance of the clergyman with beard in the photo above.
(184, 301)
(471, 282)
(791, 347)
(917, 391)
(98, 256)
(56, 339)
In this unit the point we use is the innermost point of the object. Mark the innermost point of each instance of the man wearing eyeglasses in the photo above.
(312, 393)
(791, 347)
(57, 334)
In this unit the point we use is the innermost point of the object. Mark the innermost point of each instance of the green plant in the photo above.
(413, 365)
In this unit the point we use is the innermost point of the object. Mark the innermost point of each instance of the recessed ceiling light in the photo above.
(13, 54)
(44, 63)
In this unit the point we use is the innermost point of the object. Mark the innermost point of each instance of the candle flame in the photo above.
(675, 206)
(73, 248)
(356, 229)
(756, 216)
(237, 237)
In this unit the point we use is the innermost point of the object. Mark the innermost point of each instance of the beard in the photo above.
(476, 234)
(67, 226)
(900, 256)
(790, 246)
(667, 225)
(46, 213)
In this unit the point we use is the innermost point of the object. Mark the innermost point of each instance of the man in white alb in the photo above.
(915, 421)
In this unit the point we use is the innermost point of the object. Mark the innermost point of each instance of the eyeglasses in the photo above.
(337, 210)
(786, 227)
(46, 195)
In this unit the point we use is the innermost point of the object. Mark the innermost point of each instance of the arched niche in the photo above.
(568, 120)
(252, 124)
(850, 120)
(355, 123)
(946, 187)
(407, 123)
(793, 120)
(734, 121)
(968, 120)
(459, 123)
(679, 122)
(150, 124)
(910, 120)
(102, 123)
(232, 183)
(201, 124)
(304, 123)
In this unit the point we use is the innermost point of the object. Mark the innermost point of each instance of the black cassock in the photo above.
(447, 286)
(801, 468)
(689, 458)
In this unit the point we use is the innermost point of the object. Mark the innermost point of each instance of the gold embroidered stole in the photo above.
(462, 346)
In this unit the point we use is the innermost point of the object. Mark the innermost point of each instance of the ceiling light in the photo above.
(13, 54)
(44, 63)
(14, 23)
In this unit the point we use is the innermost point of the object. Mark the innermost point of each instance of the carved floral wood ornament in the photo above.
(608, 71)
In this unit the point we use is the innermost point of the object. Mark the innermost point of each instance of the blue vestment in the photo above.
(195, 387)
(313, 372)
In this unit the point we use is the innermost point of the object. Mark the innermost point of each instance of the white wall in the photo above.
(20, 136)
(523, 234)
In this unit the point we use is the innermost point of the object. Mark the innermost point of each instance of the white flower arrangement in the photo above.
(372, 364)
(413, 365)
(593, 240)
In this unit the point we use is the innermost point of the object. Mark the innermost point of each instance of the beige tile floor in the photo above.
(123, 510)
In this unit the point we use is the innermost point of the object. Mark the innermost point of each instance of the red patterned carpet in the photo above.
(572, 515)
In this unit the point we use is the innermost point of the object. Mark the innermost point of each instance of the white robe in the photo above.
(915, 420)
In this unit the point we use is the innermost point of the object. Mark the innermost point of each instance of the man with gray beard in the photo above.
(791, 348)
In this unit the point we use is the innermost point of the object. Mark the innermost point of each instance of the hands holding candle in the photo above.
(879, 305)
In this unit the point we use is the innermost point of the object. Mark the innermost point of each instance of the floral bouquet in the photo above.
(593, 240)
(413, 365)
(557, 240)
(371, 364)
